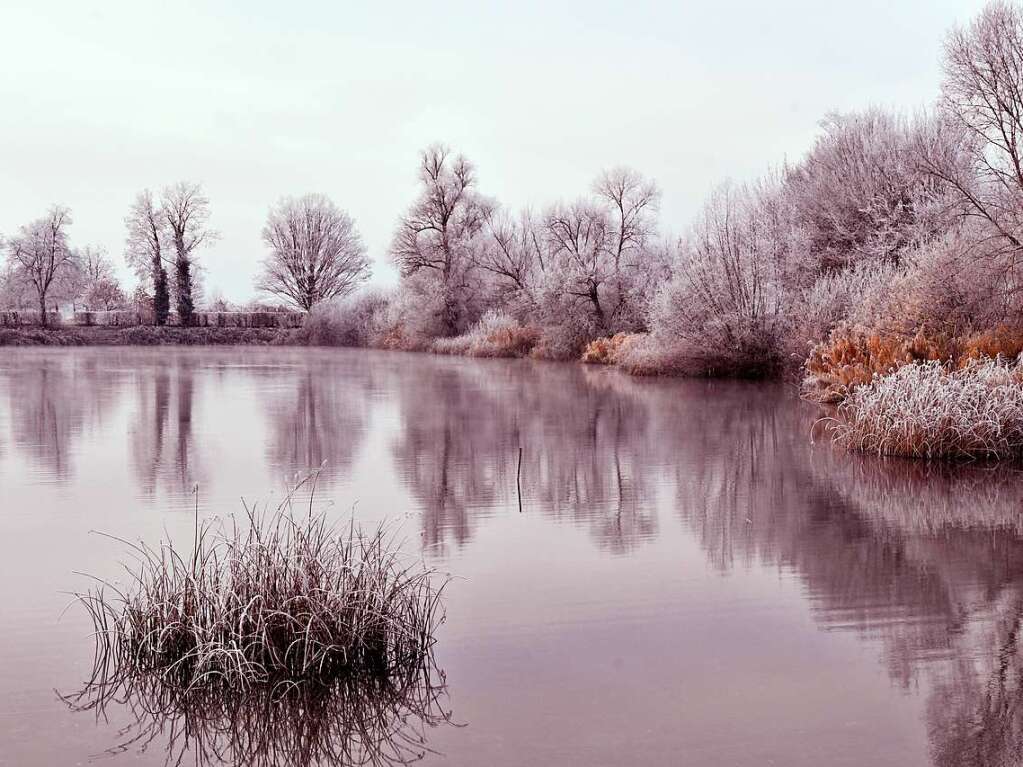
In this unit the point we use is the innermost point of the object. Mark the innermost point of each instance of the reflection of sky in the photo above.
(663, 592)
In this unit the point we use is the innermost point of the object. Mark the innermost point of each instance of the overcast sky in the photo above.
(257, 100)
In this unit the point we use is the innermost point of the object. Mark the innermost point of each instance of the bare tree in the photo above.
(633, 203)
(316, 252)
(41, 255)
(144, 251)
(98, 284)
(580, 240)
(186, 211)
(725, 301)
(440, 232)
(978, 148)
(512, 254)
(601, 251)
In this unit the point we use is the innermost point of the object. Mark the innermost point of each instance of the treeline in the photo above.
(315, 254)
(895, 238)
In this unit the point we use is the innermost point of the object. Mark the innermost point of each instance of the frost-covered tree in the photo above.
(438, 238)
(601, 262)
(723, 308)
(98, 286)
(185, 209)
(316, 253)
(144, 251)
(41, 256)
(580, 244)
(632, 203)
(976, 146)
(511, 255)
(860, 194)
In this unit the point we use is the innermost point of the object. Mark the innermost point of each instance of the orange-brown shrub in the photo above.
(605, 351)
(396, 339)
(852, 357)
(494, 335)
(1004, 341)
(507, 342)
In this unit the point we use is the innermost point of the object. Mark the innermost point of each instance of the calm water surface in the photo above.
(684, 578)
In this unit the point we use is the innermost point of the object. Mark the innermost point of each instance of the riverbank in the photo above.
(145, 336)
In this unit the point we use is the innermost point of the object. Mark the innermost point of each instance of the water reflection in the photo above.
(585, 452)
(375, 722)
(164, 449)
(316, 419)
(924, 563)
(50, 401)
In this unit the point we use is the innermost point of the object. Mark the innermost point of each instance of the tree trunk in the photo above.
(597, 308)
(184, 293)
(161, 296)
(42, 310)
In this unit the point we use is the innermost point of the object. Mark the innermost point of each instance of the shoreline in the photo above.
(147, 335)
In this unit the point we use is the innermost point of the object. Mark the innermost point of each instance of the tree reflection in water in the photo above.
(924, 560)
(52, 400)
(584, 450)
(165, 455)
(317, 418)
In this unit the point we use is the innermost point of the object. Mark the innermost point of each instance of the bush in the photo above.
(644, 356)
(852, 357)
(1005, 341)
(606, 351)
(926, 410)
(354, 321)
(494, 335)
(856, 297)
(39, 337)
(721, 313)
(954, 285)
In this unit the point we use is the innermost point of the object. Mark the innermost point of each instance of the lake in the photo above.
(644, 571)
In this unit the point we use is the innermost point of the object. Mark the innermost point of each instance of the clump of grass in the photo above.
(930, 410)
(277, 600)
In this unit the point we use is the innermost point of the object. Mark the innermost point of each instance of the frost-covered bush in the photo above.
(859, 193)
(350, 321)
(925, 410)
(494, 335)
(956, 283)
(722, 312)
(418, 314)
(855, 297)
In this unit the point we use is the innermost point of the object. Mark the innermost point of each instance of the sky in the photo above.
(258, 100)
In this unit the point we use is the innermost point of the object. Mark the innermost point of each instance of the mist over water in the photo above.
(674, 573)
